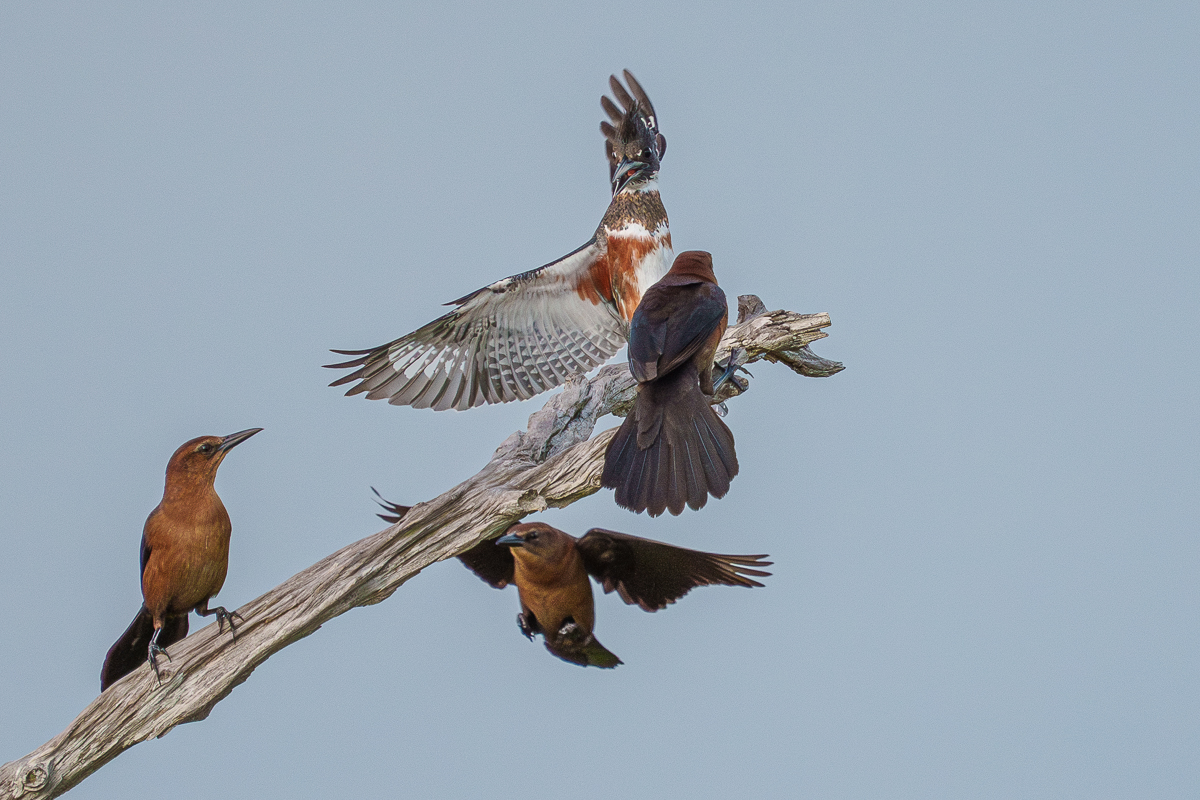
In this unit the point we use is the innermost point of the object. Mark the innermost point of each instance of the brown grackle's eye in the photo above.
(206, 448)
(529, 537)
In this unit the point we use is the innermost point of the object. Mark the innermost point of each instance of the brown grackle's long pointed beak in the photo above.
(234, 439)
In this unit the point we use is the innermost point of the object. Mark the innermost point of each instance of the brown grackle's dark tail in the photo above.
(131, 650)
(672, 450)
(591, 654)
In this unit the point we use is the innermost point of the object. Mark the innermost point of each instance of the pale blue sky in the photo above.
(984, 529)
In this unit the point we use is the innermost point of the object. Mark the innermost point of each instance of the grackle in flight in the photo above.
(551, 569)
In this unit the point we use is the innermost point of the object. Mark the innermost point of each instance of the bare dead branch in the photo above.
(553, 463)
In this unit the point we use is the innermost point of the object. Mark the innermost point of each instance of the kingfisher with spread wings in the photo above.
(530, 332)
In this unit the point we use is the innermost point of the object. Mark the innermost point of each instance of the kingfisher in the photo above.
(530, 332)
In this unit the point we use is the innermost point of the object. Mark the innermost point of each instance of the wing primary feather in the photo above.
(510, 340)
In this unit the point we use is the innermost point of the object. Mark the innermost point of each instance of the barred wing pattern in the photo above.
(508, 341)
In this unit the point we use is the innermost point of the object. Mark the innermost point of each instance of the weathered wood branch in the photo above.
(553, 463)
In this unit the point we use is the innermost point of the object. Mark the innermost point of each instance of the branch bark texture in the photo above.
(553, 463)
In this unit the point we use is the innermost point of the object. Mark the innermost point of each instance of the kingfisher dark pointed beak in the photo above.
(510, 540)
(626, 171)
(234, 439)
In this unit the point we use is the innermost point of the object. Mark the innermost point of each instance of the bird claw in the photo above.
(525, 627)
(153, 651)
(223, 616)
(730, 367)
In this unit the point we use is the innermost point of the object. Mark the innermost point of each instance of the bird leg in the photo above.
(223, 616)
(572, 635)
(731, 366)
(528, 624)
(154, 650)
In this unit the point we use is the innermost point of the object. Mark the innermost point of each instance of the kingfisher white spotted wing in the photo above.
(530, 332)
